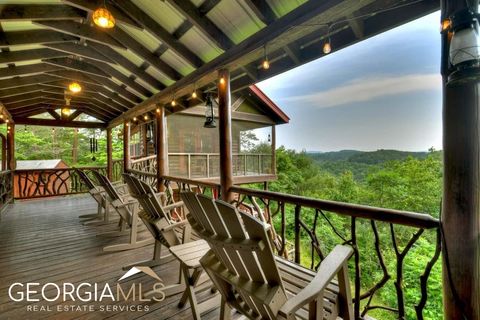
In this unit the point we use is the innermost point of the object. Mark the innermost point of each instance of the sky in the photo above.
(381, 93)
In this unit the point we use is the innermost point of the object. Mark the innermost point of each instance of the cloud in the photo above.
(367, 89)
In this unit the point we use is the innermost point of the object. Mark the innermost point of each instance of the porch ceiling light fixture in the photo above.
(464, 52)
(209, 114)
(66, 109)
(103, 18)
(74, 87)
(265, 63)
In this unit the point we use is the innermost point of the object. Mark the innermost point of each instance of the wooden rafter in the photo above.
(158, 31)
(5, 93)
(82, 31)
(54, 114)
(76, 65)
(25, 55)
(188, 9)
(262, 10)
(78, 50)
(15, 38)
(59, 123)
(26, 70)
(14, 12)
(25, 81)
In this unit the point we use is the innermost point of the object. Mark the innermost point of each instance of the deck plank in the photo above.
(44, 241)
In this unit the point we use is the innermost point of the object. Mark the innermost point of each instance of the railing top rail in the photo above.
(5, 171)
(143, 159)
(211, 154)
(145, 173)
(194, 182)
(406, 218)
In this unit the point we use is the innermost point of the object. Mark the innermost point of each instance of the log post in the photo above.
(274, 150)
(11, 163)
(126, 146)
(461, 195)
(143, 137)
(162, 147)
(109, 155)
(4, 152)
(225, 133)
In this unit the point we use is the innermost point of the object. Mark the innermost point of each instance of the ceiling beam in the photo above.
(23, 97)
(26, 55)
(262, 10)
(159, 32)
(82, 100)
(14, 38)
(75, 114)
(54, 114)
(81, 30)
(26, 70)
(76, 65)
(73, 75)
(12, 12)
(92, 5)
(357, 26)
(59, 123)
(25, 81)
(5, 93)
(136, 47)
(127, 64)
(78, 50)
(188, 9)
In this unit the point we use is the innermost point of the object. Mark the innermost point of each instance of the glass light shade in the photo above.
(465, 45)
(103, 18)
(75, 87)
(194, 94)
(173, 103)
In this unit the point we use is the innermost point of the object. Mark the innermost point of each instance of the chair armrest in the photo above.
(175, 225)
(327, 271)
(127, 203)
(173, 206)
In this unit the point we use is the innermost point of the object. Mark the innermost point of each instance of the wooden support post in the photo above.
(225, 133)
(4, 152)
(461, 195)
(144, 139)
(109, 155)
(162, 155)
(126, 146)
(274, 150)
(11, 163)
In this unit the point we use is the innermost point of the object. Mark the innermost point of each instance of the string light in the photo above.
(194, 94)
(145, 117)
(265, 63)
(173, 103)
(1, 116)
(222, 80)
(327, 47)
(134, 118)
(7, 121)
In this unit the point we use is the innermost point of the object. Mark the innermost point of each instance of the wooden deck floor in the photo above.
(43, 241)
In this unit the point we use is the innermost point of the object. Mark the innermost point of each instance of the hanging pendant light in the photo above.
(209, 114)
(74, 87)
(65, 111)
(103, 18)
(265, 63)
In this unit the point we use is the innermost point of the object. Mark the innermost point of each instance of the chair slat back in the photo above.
(85, 179)
(152, 214)
(107, 186)
(254, 281)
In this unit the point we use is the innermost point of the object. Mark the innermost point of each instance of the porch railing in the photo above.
(306, 229)
(6, 191)
(39, 183)
(206, 165)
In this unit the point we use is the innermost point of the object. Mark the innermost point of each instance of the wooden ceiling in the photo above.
(164, 49)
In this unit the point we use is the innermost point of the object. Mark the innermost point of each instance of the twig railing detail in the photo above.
(348, 223)
(6, 191)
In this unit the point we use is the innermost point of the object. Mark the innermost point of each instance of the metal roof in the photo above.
(163, 49)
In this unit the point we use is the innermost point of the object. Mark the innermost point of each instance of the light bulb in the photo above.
(145, 117)
(445, 25)
(266, 64)
(103, 18)
(222, 80)
(7, 121)
(173, 103)
(134, 118)
(327, 47)
(194, 94)
(158, 110)
(75, 87)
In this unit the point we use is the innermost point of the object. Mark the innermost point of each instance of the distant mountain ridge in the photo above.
(365, 157)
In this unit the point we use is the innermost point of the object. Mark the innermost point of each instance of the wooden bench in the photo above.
(253, 281)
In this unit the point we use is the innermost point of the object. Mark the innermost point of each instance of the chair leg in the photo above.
(189, 293)
(225, 311)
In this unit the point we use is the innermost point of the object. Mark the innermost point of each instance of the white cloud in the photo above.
(361, 90)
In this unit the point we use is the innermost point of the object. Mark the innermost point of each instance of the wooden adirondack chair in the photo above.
(127, 208)
(99, 196)
(253, 281)
(164, 229)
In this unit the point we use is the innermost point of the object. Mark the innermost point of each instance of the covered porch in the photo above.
(42, 240)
